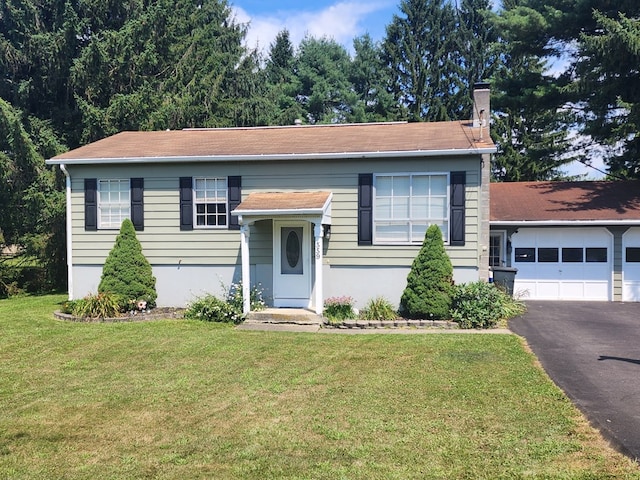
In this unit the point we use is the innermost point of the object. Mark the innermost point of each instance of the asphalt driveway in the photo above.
(591, 350)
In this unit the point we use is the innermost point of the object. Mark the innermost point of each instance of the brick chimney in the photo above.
(481, 107)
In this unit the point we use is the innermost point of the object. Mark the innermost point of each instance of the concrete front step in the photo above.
(297, 316)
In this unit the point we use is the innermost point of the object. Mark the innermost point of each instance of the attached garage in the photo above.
(563, 263)
(568, 240)
(631, 265)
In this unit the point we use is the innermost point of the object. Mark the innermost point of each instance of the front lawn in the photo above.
(186, 399)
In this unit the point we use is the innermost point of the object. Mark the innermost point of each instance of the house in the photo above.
(568, 240)
(307, 212)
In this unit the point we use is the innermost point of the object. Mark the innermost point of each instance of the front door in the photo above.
(291, 264)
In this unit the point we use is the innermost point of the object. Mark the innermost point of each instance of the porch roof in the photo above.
(275, 204)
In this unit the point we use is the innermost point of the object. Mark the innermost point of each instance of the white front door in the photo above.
(291, 264)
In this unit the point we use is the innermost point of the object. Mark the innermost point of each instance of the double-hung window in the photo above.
(114, 202)
(210, 202)
(406, 204)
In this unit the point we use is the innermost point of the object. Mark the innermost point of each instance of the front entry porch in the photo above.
(300, 222)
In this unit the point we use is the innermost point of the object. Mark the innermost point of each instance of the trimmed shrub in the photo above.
(339, 308)
(483, 305)
(378, 309)
(212, 309)
(126, 271)
(430, 281)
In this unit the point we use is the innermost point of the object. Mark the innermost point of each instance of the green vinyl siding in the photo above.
(164, 243)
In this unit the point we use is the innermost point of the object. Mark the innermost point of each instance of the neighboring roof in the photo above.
(291, 142)
(565, 202)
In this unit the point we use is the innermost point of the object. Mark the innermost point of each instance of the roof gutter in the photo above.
(563, 223)
(274, 157)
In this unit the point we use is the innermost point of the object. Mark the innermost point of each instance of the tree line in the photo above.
(75, 71)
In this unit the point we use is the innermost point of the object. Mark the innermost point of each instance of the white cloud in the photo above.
(341, 21)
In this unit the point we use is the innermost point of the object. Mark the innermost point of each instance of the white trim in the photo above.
(317, 247)
(276, 157)
(410, 220)
(69, 229)
(307, 275)
(563, 223)
(246, 268)
(195, 203)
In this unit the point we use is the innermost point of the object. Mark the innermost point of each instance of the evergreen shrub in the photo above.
(430, 281)
(126, 271)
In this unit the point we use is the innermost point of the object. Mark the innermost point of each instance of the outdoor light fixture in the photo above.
(326, 231)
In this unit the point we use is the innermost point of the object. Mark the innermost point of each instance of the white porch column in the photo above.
(246, 270)
(317, 233)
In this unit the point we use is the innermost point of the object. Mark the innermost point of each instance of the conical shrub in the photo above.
(430, 281)
(126, 271)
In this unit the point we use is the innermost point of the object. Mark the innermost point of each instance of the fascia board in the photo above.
(275, 157)
(562, 223)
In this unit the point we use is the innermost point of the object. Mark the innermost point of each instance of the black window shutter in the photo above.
(458, 181)
(365, 209)
(90, 204)
(137, 203)
(186, 203)
(234, 189)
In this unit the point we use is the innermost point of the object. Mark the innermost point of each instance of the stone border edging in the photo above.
(138, 317)
(399, 323)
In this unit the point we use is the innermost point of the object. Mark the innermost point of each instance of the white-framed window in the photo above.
(405, 204)
(114, 202)
(210, 202)
(497, 242)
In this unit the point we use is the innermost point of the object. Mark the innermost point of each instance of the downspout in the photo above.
(68, 231)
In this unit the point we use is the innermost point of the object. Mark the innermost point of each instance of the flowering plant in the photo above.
(339, 308)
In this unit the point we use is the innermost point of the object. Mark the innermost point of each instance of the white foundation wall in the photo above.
(366, 283)
(178, 285)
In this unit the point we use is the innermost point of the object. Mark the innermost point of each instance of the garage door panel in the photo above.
(631, 291)
(565, 280)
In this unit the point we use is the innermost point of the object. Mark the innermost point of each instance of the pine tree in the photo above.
(421, 51)
(430, 281)
(126, 271)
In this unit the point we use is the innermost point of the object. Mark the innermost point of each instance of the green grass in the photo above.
(187, 399)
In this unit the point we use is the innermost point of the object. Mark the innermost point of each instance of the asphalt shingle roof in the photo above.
(283, 141)
(565, 201)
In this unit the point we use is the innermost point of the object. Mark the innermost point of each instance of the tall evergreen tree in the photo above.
(282, 82)
(608, 81)
(370, 81)
(420, 49)
(595, 41)
(175, 64)
(530, 123)
(478, 50)
(325, 93)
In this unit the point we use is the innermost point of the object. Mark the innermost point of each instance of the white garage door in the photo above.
(631, 265)
(563, 263)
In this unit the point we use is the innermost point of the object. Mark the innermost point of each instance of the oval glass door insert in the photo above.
(291, 261)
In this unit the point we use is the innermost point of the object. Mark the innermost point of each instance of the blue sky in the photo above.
(342, 20)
